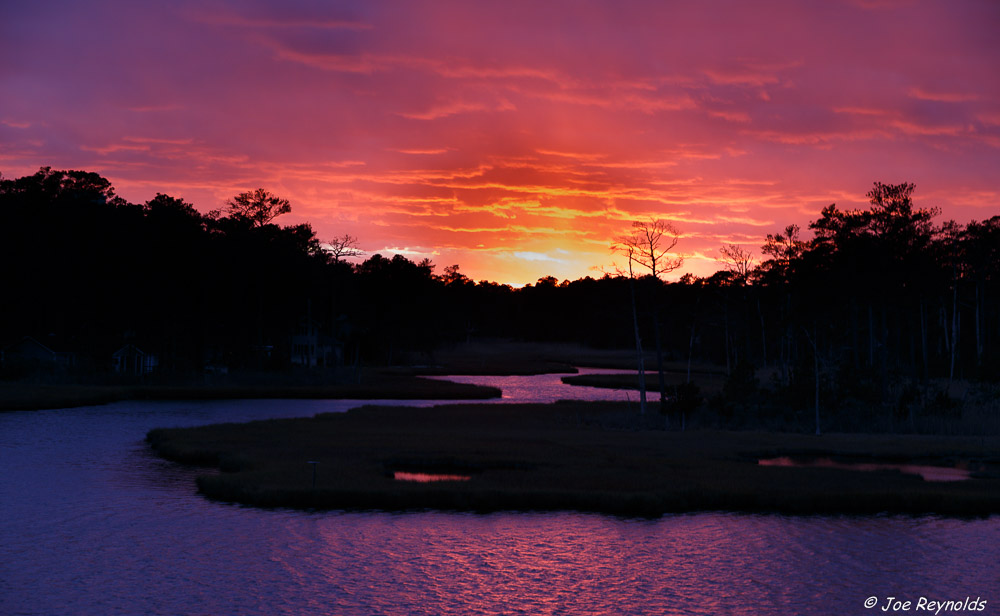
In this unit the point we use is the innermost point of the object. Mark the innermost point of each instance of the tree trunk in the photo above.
(763, 332)
(855, 346)
(871, 339)
(786, 356)
(884, 350)
(690, 351)
(954, 329)
(923, 341)
(729, 370)
(816, 370)
(979, 333)
(815, 349)
(659, 359)
(638, 350)
(944, 328)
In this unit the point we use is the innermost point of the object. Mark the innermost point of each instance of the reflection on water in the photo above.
(92, 523)
(428, 477)
(547, 387)
(928, 473)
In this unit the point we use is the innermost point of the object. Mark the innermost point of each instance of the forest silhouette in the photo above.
(865, 314)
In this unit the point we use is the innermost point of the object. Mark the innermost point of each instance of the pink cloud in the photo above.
(945, 97)
(482, 132)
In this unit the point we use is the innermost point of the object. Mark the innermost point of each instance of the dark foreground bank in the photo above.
(21, 397)
(566, 456)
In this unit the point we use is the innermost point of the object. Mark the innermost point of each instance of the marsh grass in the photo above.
(372, 386)
(710, 383)
(565, 456)
(24, 396)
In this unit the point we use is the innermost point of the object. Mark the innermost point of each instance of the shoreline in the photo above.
(401, 382)
(23, 397)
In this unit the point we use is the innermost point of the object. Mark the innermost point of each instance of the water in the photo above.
(547, 387)
(92, 523)
(428, 477)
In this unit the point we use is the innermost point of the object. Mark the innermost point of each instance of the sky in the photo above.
(515, 139)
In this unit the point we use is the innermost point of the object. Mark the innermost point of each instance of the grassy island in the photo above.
(567, 456)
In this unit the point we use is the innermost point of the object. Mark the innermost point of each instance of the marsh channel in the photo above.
(92, 522)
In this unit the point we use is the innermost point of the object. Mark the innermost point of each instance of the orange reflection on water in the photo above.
(428, 477)
(928, 473)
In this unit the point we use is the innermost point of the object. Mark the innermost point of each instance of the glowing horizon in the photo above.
(515, 141)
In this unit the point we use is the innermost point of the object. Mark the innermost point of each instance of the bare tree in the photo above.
(648, 246)
(738, 261)
(629, 251)
(343, 247)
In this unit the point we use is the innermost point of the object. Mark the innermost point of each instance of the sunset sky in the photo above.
(514, 138)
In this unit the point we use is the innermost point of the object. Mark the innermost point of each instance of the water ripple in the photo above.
(92, 523)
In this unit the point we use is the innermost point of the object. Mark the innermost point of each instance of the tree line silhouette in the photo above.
(876, 303)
